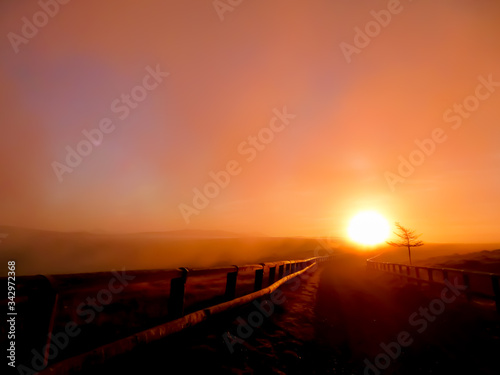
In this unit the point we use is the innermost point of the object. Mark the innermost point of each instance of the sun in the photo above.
(368, 228)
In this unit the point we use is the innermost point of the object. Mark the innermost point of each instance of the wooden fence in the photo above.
(185, 297)
(482, 285)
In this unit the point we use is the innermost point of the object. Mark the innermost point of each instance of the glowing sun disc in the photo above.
(368, 228)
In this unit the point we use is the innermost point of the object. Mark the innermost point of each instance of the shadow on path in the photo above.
(330, 324)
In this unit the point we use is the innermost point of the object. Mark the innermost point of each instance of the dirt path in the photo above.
(332, 323)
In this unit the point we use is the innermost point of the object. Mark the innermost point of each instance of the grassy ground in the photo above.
(335, 323)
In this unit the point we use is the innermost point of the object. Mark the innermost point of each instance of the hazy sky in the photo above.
(351, 115)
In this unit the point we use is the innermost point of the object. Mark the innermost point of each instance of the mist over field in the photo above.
(50, 252)
(46, 252)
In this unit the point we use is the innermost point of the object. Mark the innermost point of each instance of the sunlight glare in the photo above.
(368, 228)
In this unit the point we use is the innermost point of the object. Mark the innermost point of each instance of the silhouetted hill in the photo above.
(486, 261)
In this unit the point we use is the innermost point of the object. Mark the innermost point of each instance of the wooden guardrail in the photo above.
(482, 285)
(47, 301)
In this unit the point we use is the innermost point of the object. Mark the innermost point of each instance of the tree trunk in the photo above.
(409, 253)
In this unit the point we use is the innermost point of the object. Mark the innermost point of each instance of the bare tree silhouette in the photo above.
(408, 239)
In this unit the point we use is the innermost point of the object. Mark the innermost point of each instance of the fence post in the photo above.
(176, 298)
(287, 269)
(232, 277)
(48, 300)
(272, 274)
(496, 290)
(429, 272)
(259, 276)
(280, 271)
(445, 275)
(400, 272)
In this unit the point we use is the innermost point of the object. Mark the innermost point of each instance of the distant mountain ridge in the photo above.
(199, 233)
(486, 261)
(181, 233)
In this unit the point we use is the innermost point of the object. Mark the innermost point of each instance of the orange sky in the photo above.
(353, 120)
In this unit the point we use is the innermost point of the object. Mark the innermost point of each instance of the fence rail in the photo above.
(482, 285)
(47, 299)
